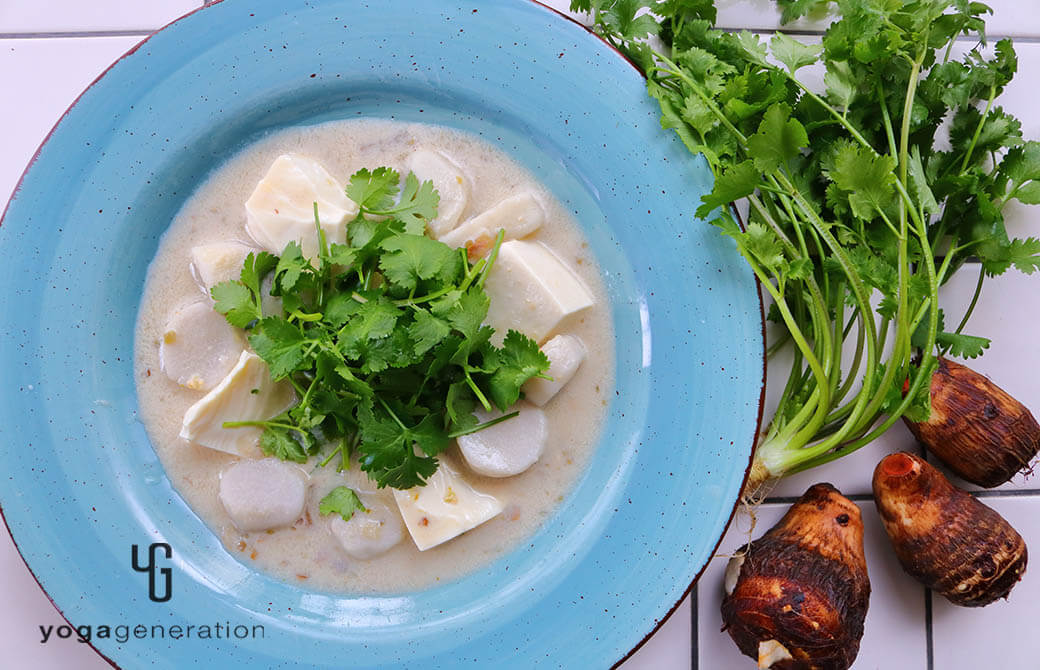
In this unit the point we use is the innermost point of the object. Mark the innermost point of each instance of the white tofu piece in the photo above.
(531, 290)
(263, 494)
(281, 208)
(565, 354)
(507, 448)
(451, 183)
(520, 215)
(369, 533)
(233, 399)
(445, 508)
(199, 347)
(217, 262)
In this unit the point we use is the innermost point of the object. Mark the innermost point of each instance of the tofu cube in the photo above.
(519, 215)
(445, 508)
(217, 262)
(247, 393)
(281, 208)
(565, 354)
(531, 290)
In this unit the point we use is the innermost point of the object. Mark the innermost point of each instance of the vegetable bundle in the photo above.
(859, 209)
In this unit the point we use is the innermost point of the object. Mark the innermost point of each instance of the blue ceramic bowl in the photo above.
(82, 483)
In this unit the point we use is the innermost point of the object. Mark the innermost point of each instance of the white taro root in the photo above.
(245, 394)
(507, 448)
(565, 354)
(370, 532)
(217, 262)
(444, 508)
(281, 208)
(450, 182)
(199, 347)
(263, 494)
(519, 215)
(531, 290)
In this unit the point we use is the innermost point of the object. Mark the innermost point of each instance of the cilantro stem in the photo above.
(971, 306)
(482, 426)
(477, 392)
(492, 257)
(978, 128)
(261, 424)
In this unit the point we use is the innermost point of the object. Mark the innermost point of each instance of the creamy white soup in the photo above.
(494, 487)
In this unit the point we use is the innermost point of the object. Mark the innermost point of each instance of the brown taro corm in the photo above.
(977, 429)
(796, 597)
(943, 536)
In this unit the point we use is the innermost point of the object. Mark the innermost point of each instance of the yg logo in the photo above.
(151, 569)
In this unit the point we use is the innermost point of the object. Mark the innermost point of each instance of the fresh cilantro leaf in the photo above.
(291, 265)
(962, 346)
(343, 501)
(342, 254)
(280, 344)
(868, 179)
(279, 443)
(794, 54)
(467, 312)
(374, 190)
(388, 449)
(256, 268)
(519, 360)
(375, 318)
(427, 331)
(1025, 254)
(778, 140)
(235, 302)
(737, 182)
(418, 204)
(840, 83)
(416, 257)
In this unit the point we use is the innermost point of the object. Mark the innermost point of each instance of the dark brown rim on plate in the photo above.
(758, 288)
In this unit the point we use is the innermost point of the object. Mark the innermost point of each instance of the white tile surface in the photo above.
(893, 636)
(46, 16)
(1003, 634)
(670, 647)
(25, 608)
(49, 74)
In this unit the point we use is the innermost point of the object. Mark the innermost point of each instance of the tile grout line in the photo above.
(928, 641)
(867, 497)
(695, 651)
(137, 32)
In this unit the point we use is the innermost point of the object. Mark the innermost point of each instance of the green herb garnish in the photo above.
(382, 339)
(858, 213)
(343, 501)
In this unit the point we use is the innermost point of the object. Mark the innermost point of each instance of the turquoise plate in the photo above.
(81, 482)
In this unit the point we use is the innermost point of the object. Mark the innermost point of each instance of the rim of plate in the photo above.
(590, 33)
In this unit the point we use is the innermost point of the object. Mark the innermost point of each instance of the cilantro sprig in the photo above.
(382, 338)
(857, 210)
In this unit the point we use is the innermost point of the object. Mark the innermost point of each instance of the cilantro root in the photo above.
(855, 215)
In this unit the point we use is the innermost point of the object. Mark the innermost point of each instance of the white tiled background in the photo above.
(51, 49)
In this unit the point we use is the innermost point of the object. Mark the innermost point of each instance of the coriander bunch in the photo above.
(857, 214)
